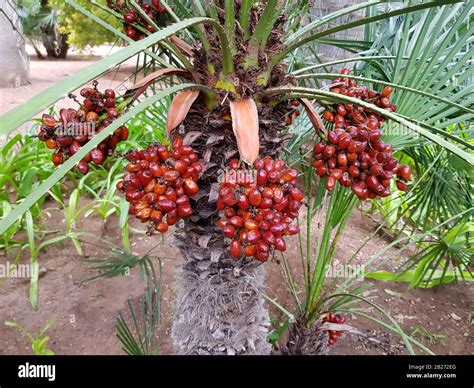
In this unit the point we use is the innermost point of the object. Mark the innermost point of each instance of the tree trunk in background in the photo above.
(55, 42)
(14, 62)
(306, 340)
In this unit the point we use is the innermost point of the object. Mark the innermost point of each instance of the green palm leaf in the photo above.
(292, 45)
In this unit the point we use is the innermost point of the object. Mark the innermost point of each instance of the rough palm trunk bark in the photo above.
(219, 307)
(306, 340)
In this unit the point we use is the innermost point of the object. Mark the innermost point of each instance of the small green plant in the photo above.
(39, 341)
(137, 330)
(140, 336)
(424, 334)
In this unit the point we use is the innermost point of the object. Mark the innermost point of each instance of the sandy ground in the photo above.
(43, 74)
(85, 314)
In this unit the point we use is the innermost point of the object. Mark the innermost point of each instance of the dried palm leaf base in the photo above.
(306, 340)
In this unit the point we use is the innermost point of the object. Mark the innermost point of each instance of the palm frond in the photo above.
(383, 15)
(139, 337)
(442, 254)
(433, 54)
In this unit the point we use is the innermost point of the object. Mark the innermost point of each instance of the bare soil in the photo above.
(85, 314)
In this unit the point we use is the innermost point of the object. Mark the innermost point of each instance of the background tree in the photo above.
(82, 31)
(56, 26)
(14, 63)
(40, 24)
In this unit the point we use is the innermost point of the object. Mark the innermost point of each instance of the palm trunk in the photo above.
(219, 307)
(306, 340)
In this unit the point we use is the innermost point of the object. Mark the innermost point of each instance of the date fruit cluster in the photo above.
(353, 153)
(258, 206)
(74, 128)
(132, 18)
(334, 334)
(160, 182)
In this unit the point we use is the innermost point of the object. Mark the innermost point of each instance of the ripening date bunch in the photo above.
(353, 153)
(334, 334)
(73, 128)
(160, 182)
(153, 9)
(258, 206)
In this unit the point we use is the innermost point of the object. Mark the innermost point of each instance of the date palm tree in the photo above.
(234, 102)
(242, 67)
